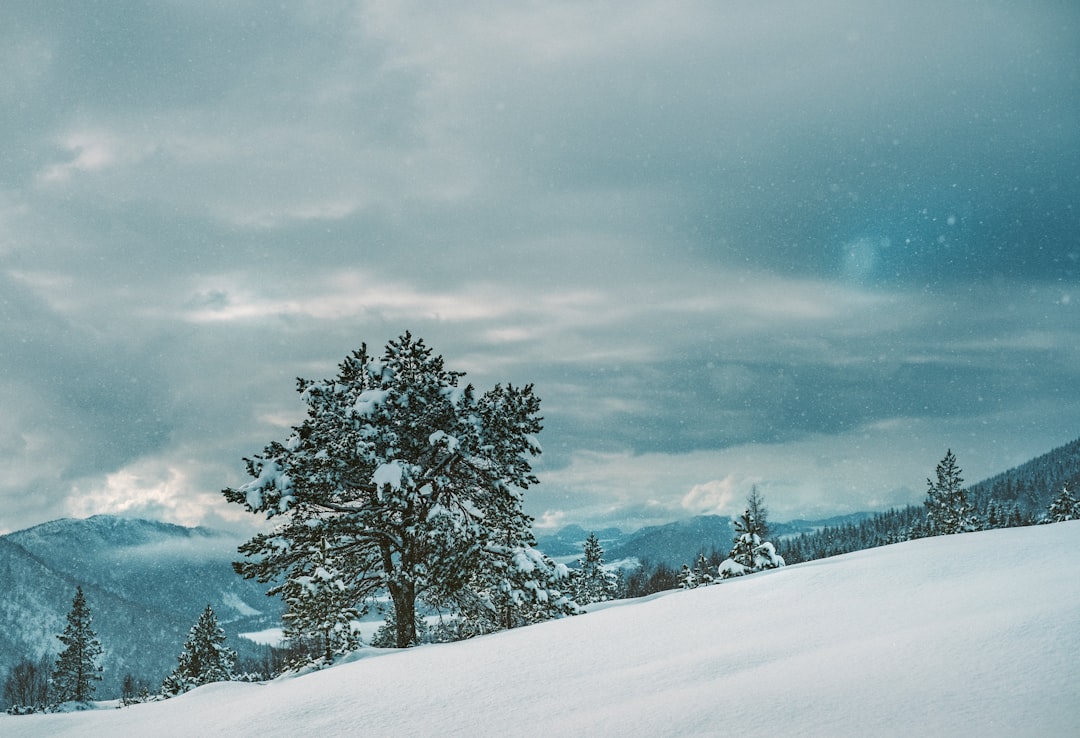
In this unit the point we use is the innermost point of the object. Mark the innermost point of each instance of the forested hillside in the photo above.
(145, 584)
(1017, 497)
(1030, 487)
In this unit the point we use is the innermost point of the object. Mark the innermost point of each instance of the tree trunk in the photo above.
(404, 597)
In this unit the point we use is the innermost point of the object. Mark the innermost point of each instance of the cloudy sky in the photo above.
(803, 245)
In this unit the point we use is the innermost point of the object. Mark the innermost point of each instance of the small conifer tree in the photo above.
(947, 508)
(76, 666)
(521, 586)
(319, 612)
(1063, 507)
(205, 658)
(750, 552)
(702, 575)
(686, 578)
(592, 582)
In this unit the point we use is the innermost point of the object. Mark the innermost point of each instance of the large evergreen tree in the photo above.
(947, 508)
(76, 667)
(409, 483)
(592, 581)
(205, 658)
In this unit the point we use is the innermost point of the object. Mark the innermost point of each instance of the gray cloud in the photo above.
(728, 244)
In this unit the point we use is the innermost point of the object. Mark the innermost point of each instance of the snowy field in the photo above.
(976, 634)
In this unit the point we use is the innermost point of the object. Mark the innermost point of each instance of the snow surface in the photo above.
(973, 634)
(366, 629)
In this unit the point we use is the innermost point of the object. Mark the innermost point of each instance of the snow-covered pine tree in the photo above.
(750, 553)
(319, 610)
(205, 658)
(518, 586)
(592, 582)
(702, 571)
(76, 667)
(686, 579)
(947, 508)
(1063, 507)
(755, 506)
(413, 483)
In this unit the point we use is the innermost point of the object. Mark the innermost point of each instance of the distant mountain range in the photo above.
(145, 582)
(1027, 488)
(673, 544)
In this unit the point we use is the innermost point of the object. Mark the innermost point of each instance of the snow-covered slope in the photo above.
(975, 634)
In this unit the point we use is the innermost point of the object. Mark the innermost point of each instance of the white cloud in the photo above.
(715, 497)
(157, 488)
(53, 287)
(348, 294)
(91, 151)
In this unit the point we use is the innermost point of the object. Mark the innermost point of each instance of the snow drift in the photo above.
(974, 634)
